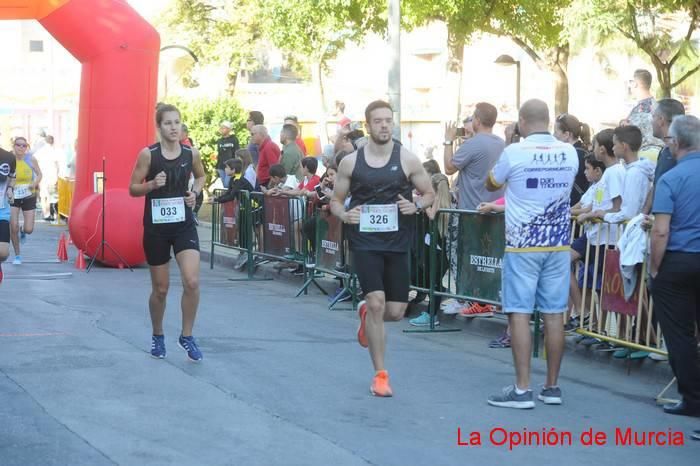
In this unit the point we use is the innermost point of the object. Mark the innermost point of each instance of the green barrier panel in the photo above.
(480, 247)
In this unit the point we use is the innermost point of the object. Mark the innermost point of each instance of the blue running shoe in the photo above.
(158, 346)
(190, 346)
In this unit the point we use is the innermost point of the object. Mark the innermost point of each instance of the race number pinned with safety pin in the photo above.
(22, 191)
(169, 210)
(379, 218)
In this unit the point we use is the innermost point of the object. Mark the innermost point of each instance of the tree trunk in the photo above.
(317, 78)
(561, 79)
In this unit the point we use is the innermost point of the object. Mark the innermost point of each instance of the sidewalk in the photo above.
(283, 382)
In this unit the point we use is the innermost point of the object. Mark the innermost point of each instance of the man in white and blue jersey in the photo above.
(538, 174)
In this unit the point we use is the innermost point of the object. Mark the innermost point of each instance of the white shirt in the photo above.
(607, 189)
(638, 178)
(250, 175)
(539, 174)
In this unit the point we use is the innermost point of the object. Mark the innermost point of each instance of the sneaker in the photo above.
(299, 271)
(380, 384)
(158, 346)
(451, 306)
(17, 261)
(477, 310)
(501, 342)
(510, 399)
(361, 335)
(22, 236)
(652, 356)
(423, 320)
(550, 395)
(621, 353)
(639, 354)
(190, 346)
(588, 341)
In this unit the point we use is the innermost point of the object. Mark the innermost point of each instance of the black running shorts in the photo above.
(157, 248)
(4, 231)
(28, 203)
(383, 271)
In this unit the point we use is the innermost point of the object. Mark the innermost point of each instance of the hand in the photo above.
(273, 192)
(583, 218)
(648, 222)
(406, 207)
(10, 195)
(450, 131)
(160, 180)
(484, 208)
(190, 199)
(352, 216)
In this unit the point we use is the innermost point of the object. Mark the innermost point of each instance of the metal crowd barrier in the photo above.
(605, 313)
(329, 255)
(65, 196)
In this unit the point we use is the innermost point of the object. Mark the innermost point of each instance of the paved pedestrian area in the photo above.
(283, 382)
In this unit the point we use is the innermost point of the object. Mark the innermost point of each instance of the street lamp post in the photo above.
(507, 60)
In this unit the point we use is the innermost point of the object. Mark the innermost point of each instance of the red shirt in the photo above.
(311, 184)
(302, 146)
(269, 156)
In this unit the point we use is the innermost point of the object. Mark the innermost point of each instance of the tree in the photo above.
(535, 26)
(318, 30)
(218, 32)
(660, 29)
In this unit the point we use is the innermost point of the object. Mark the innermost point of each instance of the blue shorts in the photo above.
(536, 280)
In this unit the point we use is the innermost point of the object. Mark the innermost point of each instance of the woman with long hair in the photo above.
(28, 177)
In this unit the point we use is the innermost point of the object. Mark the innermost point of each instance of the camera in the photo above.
(355, 134)
(460, 132)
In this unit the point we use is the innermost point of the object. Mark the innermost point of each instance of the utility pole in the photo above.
(395, 66)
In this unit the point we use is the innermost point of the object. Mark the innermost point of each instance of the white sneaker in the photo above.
(657, 356)
(17, 261)
(451, 306)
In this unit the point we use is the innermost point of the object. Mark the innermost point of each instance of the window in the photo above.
(36, 45)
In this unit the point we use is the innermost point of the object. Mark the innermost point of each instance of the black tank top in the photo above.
(383, 185)
(178, 173)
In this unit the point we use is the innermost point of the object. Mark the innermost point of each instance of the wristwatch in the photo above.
(447, 142)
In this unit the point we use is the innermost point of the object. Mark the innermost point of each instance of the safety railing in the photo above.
(66, 187)
(614, 308)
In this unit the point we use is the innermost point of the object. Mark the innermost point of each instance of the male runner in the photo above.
(379, 178)
(7, 183)
(162, 174)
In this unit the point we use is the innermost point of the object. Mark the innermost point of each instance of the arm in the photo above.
(341, 190)
(499, 173)
(200, 178)
(659, 241)
(450, 135)
(629, 206)
(648, 201)
(137, 187)
(420, 179)
(37, 170)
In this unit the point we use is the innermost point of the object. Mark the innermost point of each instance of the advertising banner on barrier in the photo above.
(613, 292)
(330, 240)
(276, 234)
(480, 256)
(229, 223)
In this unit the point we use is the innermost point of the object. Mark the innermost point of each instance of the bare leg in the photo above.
(554, 344)
(29, 216)
(188, 260)
(521, 346)
(574, 290)
(4, 251)
(14, 229)
(374, 328)
(160, 281)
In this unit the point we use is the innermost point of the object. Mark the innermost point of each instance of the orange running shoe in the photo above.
(380, 384)
(477, 310)
(361, 335)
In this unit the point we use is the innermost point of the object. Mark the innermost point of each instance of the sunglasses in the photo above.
(20, 145)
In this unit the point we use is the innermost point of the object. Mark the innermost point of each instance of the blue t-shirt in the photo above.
(677, 194)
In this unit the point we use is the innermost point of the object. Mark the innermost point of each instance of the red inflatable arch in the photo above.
(118, 50)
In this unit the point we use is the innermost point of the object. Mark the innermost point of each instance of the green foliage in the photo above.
(217, 31)
(661, 29)
(203, 118)
(319, 29)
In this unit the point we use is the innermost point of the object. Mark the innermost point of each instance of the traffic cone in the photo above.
(80, 260)
(62, 252)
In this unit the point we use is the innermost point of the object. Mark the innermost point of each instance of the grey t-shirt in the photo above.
(475, 159)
